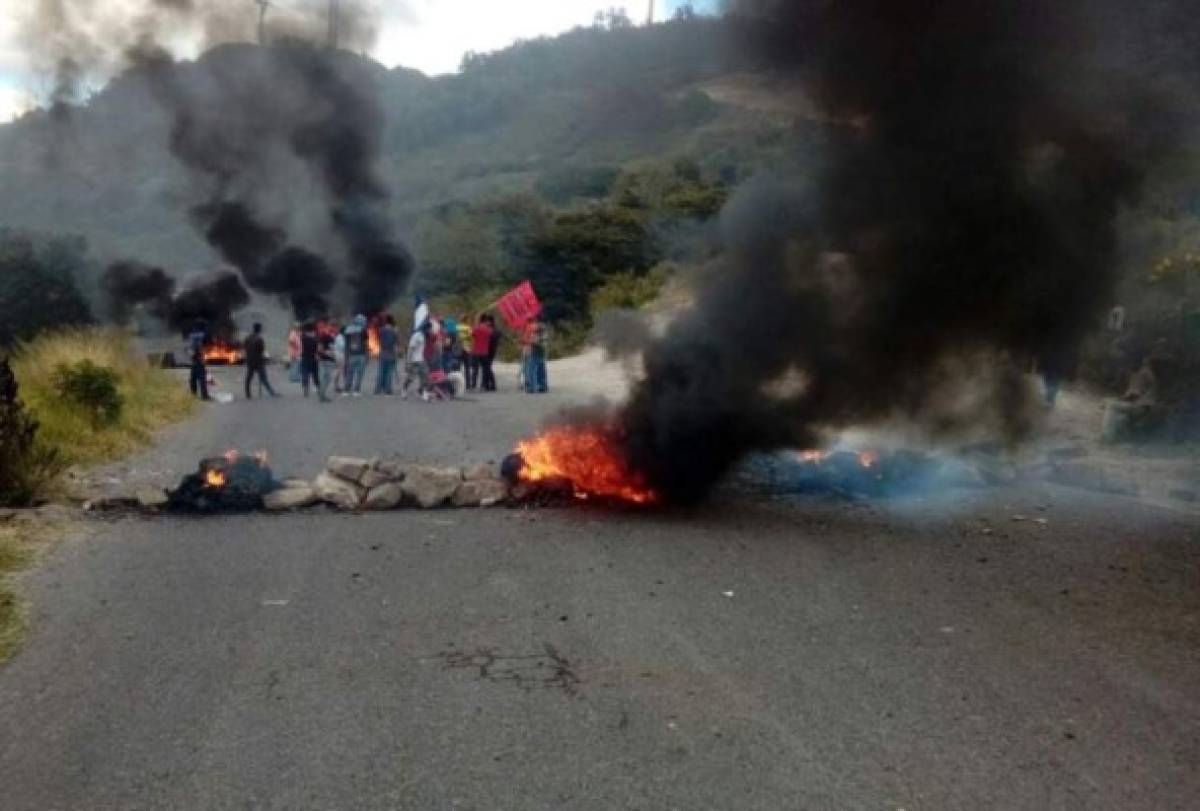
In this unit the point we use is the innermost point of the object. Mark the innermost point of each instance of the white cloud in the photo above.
(13, 102)
(433, 35)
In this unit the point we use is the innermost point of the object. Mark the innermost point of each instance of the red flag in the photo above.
(519, 306)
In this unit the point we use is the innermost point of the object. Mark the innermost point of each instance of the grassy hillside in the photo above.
(516, 121)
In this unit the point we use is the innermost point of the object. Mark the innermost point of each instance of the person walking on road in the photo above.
(481, 345)
(256, 362)
(388, 340)
(415, 366)
(356, 355)
(198, 379)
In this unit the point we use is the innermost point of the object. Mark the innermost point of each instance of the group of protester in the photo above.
(442, 357)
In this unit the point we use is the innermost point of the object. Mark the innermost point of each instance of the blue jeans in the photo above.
(387, 373)
(535, 371)
(356, 367)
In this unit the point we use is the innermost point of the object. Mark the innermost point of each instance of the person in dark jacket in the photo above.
(309, 359)
(488, 382)
(256, 362)
(198, 381)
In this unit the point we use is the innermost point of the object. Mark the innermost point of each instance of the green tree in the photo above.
(38, 287)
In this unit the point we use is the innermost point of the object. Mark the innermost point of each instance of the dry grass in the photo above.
(18, 544)
(152, 397)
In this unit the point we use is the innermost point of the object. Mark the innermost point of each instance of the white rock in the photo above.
(291, 497)
(483, 470)
(371, 479)
(349, 468)
(393, 469)
(480, 493)
(386, 496)
(431, 486)
(340, 493)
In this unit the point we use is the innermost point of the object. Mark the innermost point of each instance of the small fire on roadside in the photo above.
(373, 345)
(222, 353)
(588, 458)
(215, 478)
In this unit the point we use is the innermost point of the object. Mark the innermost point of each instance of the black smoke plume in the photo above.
(213, 302)
(260, 125)
(962, 224)
(127, 284)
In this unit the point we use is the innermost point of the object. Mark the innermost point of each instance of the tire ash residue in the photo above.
(531, 671)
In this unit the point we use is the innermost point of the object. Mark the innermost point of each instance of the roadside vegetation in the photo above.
(94, 396)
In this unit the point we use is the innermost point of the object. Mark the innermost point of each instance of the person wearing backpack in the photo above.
(198, 381)
(356, 356)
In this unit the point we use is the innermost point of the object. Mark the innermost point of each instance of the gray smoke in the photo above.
(76, 40)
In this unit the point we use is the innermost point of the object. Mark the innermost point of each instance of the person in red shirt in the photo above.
(481, 363)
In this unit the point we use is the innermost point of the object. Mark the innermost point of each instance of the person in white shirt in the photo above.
(415, 367)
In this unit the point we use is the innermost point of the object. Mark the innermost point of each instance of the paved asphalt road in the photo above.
(871, 656)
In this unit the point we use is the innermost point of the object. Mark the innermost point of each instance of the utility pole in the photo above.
(333, 23)
(650, 14)
(263, 5)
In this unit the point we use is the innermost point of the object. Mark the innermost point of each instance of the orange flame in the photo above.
(588, 458)
(214, 478)
(373, 345)
(220, 352)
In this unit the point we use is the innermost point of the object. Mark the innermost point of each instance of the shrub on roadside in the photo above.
(26, 466)
(151, 397)
(93, 388)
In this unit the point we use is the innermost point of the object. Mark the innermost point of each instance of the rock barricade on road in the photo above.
(431, 486)
(351, 483)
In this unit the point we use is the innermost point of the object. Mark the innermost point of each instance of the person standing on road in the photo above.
(309, 355)
(489, 377)
(294, 347)
(256, 362)
(327, 361)
(481, 345)
(198, 379)
(388, 341)
(415, 366)
(535, 369)
(356, 355)
(339, 360)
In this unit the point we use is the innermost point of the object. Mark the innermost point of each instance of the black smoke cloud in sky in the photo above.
(962, 223)
(256, 125)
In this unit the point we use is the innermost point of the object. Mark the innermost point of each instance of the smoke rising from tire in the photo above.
(961, 224)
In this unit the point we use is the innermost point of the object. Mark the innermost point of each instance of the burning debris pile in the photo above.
(232, 483)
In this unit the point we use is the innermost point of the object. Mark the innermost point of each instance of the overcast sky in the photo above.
(430, 35)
